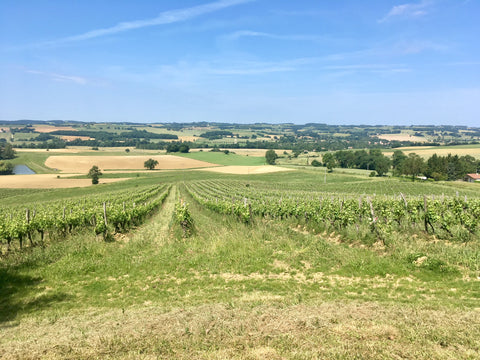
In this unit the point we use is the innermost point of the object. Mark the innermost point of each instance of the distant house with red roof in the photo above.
(472, 177)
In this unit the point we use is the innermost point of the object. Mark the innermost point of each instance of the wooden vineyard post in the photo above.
(425, 209)
(360, 205)
(374, 219)
(105, 233)
(426, 215)
(105, 213)
(29, 235)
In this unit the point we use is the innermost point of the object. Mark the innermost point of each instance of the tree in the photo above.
(382, 165)
(316, 163)
(150, 164)
(94, 173)
(413, 165)
(173, 147)
(184, 148)
(271, 156)
(6, 152)
(329, 161)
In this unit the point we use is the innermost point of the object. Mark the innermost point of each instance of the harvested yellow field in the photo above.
(81, 164)
(50, 128)
(402, 137)
(71, 138)
(188, 138)
(46, 181)
(246, 170)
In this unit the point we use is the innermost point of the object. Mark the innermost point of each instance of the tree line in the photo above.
(449, 168)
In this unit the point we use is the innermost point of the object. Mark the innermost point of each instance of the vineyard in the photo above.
(451, 217)
(215, 266)
(107, 214)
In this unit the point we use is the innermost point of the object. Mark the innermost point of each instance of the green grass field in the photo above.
(273, 289)
(225, 159)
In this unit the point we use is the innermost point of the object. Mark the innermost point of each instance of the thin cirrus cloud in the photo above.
(410, 10)
(164, 18)
(322, 65)
(60, 77)
(248, 33)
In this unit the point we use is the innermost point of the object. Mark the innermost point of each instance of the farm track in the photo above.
(156, 229)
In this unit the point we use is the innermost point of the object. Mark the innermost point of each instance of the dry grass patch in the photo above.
(324, 330)
(402, 137)
(51, 128)
(81, 164)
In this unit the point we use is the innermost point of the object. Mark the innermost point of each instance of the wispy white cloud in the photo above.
(311, 13)
(188, 75)
(409, 10)
(369, 67)
(248, 33)
(166, 17)
(419, 46)
(60, 77)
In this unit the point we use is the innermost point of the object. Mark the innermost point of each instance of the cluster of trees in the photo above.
(178, 147)
(25, 129)
(450, 167)
(55, 143)
(216, 134)
(112, 136)
(6, 153)
(360, 159)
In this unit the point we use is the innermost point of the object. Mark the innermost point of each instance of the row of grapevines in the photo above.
(384, 214)
(114, 212)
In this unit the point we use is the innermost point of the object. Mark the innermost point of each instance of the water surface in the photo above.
(22, 170)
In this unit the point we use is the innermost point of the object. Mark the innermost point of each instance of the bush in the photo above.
(6, 168)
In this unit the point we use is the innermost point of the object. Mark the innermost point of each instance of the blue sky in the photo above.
(335, 62)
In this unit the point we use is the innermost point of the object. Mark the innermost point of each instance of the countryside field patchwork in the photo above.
(252, 264)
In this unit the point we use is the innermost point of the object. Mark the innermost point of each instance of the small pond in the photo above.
(22, 170)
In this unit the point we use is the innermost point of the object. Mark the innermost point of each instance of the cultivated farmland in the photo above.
(247, 262)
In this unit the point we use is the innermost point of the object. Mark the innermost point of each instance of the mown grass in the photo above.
(270, 290)
(34, 160)
(224, 159)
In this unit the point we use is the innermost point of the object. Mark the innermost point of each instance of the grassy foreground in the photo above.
(234, 291)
